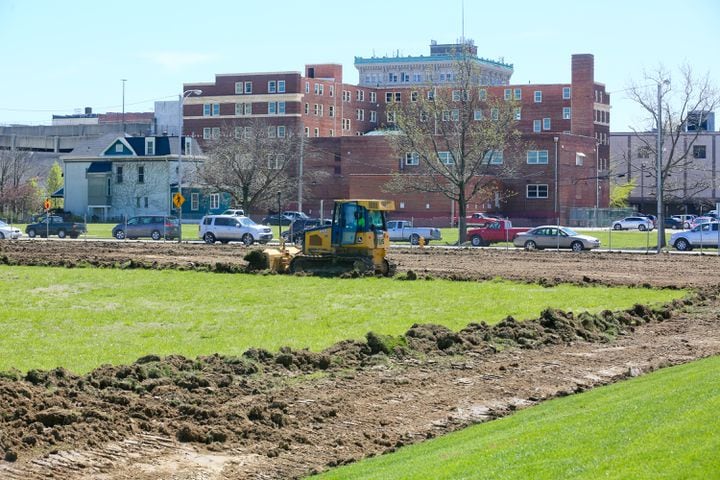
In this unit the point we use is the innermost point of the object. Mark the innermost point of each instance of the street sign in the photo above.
(178, 200)
(46, 204)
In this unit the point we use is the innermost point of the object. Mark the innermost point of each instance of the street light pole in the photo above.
(183, 96)
(658, 161)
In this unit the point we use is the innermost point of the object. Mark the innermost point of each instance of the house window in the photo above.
(566, 93)
(477, 115)
(412, 158)
(431, 95)
(391, 117)
(141, 174)
(388, 97)
(455, 115)
(517, 93)
(272, 108)
(579, 159)
(281, 86)
(373, 97)
(699, 151)
(537, 124)
(194, 201)
(281, 108)
(248, 87)
(413, 96)
(566, 113)
(207, 133)
(537, 157)
(119, 148)
(446, 158)
(215, 109)
(494, 113)
(397, 96)
(238, 88)
(538, 96)
(214, 201)
(537, 191)
(518, 113)
(373, 116)
(272, 86)
(494, 157)
(281, 131)
(149, 146)
(482, 95)
(119, 174)
(546, 124)
(207, 110)
(508, 94)
(216, 132)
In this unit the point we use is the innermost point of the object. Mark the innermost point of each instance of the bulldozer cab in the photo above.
(356, 223)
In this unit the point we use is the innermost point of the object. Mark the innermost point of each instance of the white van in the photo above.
(230, 228)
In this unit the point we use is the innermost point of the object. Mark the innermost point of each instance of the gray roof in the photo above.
(95, 147)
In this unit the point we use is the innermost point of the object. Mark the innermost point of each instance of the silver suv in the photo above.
(230, 228)
(627, 223)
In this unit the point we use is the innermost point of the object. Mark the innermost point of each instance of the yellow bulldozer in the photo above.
(355, 241)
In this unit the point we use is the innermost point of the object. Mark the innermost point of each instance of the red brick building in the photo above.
(567, 126)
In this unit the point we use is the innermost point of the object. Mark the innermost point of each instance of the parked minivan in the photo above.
(230, 228)
(153, 226)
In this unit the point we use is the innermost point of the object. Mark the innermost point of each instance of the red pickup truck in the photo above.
(493, 232)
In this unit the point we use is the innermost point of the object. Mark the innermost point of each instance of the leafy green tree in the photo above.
(620, 194)
(53, 183)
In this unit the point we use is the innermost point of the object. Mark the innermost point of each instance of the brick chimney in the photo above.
(583, 94)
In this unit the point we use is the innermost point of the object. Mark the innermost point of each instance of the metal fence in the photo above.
(597, 217)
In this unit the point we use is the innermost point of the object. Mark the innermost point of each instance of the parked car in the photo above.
(275, 219)
(493, 232)
(403, 230)
(296, 232)
(686, 220)
(229, 228)
(152, 226)
(54, 225)
(7, 231)
(673, 223)
(235, 212)
(703, 235)
(295, 215)
(630, 223)
(552, 236)
(700, 220)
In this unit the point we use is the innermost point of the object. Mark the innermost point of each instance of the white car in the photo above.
(235, 212)
(631, 223)
(6, 231)
(229, 228)
(704, 235)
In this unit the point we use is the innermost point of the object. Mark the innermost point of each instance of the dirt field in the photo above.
(288, 414)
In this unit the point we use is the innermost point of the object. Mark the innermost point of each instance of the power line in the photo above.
(102, 107)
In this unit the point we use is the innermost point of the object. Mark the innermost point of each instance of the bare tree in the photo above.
(679, 103)
(253, 162)
(17, 192)
(456, 140)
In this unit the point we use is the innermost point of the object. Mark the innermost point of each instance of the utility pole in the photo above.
(123, 104)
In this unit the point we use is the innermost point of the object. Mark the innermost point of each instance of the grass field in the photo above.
(81, 318)
(660, 426)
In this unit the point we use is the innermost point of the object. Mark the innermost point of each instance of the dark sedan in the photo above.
(273, 219)
(296, 232)
(673, 223)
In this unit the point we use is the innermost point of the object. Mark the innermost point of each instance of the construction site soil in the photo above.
(289, 414)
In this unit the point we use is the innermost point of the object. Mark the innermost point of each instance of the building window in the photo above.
(360, 114)
(508, 94)
(482, 95)
(119, 174)
(388, 97)
(272, 132)
(517, 93)
(537, 157)
(699, 151)
(346, 97)
(281, 131)
(518, 113)
(538, 96)
(360, 95)
(373, 97)
(478, 115)
(248, 87)
(456, 95)
(579, 159)
(272, 86)
(446, 158)
(307, 87)
(373, 116)
(281, 86)
(274, 162)
(397, 96)
(238, 88)
(216, 132)
(331, 133)
(214, 201)
(307, 131)
(413, 96)
(207, 133)
(319, 88)
(316, 109)
(211, 109)
(546, 124)
(537, 191)
(494, 157)
(346, 124)
(566, 93)
(316, 132)
(412, 158)
(238, 132)
(141, 174)
(537, 125)
(566, 113)
(455, 115)
(243, 109)
(391, 117)
(331, 91)
(331, 110)
(494, 114)
(194, 201)
(149, 146)
(307, 109)
(431, 95)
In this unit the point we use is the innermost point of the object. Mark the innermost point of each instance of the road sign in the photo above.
(178, 200)
(46, 204)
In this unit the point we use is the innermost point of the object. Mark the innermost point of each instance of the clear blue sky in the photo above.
(58, 56)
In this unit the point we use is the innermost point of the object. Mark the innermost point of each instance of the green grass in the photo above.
(661, 426)
(83, 317)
